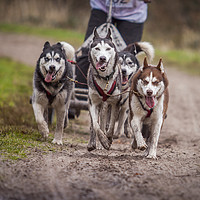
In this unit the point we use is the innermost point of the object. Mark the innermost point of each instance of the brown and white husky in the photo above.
(148, 104)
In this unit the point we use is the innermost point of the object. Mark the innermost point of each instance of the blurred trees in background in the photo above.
(175, 23)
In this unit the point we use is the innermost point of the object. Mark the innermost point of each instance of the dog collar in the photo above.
(107, 77)
(102, 93)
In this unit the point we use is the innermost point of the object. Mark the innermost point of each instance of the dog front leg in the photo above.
(127, 128)
(103, 116)
(153, 140)
(92, 142)
(138, 138)
(95, 129)
(60, 114)
(112, 122)
(121, 121)
(39, 117)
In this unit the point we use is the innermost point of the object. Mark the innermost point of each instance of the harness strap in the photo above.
(149, 112)
(107, 77)
(102, 93)
(50, 97)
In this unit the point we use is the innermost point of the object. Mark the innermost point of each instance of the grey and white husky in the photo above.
(129, 65)
(52, 88)
(104, 88)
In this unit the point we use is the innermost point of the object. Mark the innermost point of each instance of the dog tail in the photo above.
(69, 50)
(147, 48)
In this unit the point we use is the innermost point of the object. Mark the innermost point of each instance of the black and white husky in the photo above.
(104, 88)
(51, 87)
(129, 65)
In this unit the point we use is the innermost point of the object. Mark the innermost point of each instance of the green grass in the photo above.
(19, 142)
(73, 37)
(15, 79)
(185, 60)
(15, 92)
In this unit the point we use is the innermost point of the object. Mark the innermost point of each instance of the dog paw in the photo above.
(104, 140)
(91, 147)
(128, 135)
(142, 145)
(154, 157)
(57, 141)
(45, 136)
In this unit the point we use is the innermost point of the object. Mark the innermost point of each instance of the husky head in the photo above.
(52, 62)
(129, 66)
(150, 81)
(128, 59)
(103, 55)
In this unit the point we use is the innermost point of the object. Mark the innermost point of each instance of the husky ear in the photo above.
(108, 36)
(160, 66)
(96, 35)
(59, 45)
(131, 48)
(46, 45)
(145, 64)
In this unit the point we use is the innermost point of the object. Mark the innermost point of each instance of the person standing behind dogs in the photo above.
(128, 16)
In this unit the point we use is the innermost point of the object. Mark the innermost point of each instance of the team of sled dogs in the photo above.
(119, 90)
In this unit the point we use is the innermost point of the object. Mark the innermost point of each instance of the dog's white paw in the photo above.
(150, 154)
(142, 145)
(57, 141)
(152, 157)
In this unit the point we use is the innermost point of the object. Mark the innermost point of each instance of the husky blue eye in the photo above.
(57, 59)
(46, 59)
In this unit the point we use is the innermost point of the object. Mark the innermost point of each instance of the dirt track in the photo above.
(73, 173)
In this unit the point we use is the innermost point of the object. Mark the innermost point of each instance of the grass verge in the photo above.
(184, 60)
(19, 142)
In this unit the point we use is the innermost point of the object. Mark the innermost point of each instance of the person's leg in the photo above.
(130, 32)
(97, 18)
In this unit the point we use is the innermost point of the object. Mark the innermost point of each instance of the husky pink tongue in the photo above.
(48, 77)
(99, 65)
(150, 101)
(125, 79)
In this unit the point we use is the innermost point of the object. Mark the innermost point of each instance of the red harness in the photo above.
(102, 93)
(149, 112)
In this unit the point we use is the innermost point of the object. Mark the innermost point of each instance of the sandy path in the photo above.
(73, 173)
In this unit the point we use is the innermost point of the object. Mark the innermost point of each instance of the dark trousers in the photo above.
(130, 32)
